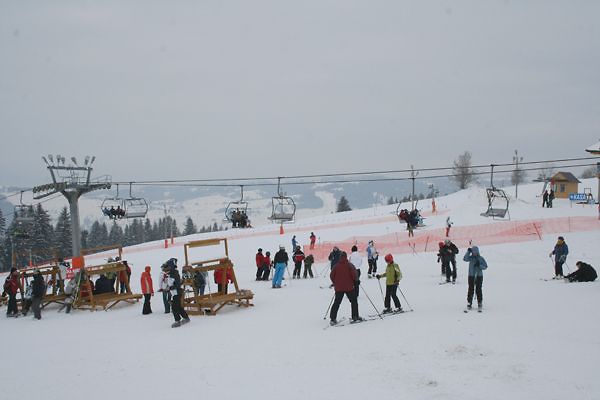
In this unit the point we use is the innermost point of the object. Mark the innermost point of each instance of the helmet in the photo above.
(441, 244)
(260, 250)
(447, 242)
(389, 258)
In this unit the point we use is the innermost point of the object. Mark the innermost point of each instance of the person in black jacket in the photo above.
(103, 285)
(585, 273)
(445, 255)
(454, 251)
(174, 283)
(38, 289)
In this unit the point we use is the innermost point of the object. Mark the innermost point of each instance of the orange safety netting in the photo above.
(484, 234)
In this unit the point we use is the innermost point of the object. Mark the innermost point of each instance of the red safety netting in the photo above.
(480, 235)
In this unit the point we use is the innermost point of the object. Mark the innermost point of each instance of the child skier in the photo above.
(560, 252)
(476, 266)
(298, 259)
(372, 256)
(392, 275)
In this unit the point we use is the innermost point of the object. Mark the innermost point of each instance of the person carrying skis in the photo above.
(308, 262)
(372, 256)
(313, 240)
(476, 266)
(334, 257)
(147, 290)
(585, 273)
(11, 287)
(356, 260)
(560, 252)
(281, 260)
(260, 264)
(298, 258)
(174, 287)
(392, 275)
(343, 278)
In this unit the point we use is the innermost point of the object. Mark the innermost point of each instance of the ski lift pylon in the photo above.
(284, 208)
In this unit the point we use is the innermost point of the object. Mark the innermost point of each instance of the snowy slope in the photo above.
(535, 339)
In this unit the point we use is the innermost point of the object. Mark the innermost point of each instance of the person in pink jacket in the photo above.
(147, 290)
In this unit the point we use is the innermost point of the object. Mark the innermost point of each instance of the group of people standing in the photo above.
(547, 198)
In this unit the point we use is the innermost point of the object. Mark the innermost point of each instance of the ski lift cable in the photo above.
(205, 182)
(175, 183)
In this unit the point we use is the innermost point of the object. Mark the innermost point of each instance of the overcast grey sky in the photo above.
(212, 89)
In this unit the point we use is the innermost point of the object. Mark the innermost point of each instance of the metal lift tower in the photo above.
(72, 181)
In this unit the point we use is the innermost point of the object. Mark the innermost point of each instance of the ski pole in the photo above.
(330, 303)
(366, 294)
(324, 270)
(381, 290)
(411, 309)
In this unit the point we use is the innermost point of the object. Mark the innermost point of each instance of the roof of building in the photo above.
(594, 149)
(562, 176)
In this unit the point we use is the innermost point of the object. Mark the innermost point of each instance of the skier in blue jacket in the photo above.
(476, 266)
(560, 252)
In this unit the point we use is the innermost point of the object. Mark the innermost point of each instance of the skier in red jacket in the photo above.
(344, 278)
(147, 289)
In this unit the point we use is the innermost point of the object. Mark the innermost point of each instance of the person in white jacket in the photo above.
(164, 288)
(356, 259)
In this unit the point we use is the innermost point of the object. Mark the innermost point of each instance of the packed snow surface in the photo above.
(536, 339)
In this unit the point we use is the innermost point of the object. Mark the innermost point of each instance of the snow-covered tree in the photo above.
(63, 238)
(463, 172)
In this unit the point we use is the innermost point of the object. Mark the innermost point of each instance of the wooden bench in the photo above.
(211, 302)
(86, 299)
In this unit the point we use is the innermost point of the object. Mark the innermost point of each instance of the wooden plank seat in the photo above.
(86, 298)
(54, 298)
(210, 303)
(107, 300)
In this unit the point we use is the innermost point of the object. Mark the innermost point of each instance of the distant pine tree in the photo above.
(116, 235)
(190, 228)
(43, 234)
(391, 201)
(343, 205)
(63, 237)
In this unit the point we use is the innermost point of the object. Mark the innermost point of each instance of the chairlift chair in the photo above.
(135, 207)
(497, 204)
(284, 208)
(110, 204)
(23, 212)
(233, 206)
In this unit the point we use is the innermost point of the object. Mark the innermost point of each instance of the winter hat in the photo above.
(561, 238)
(268, 253)
(475, 250)
(281, 247)
(441, 244)
(447, 241)
(259, 250)
(389, 258)
(354, 248)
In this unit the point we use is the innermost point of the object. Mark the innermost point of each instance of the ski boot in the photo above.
(386, 311)
(185, 321)
(176, 324)
(333, 322)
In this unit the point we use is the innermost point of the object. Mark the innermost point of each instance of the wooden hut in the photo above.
(564, 183)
